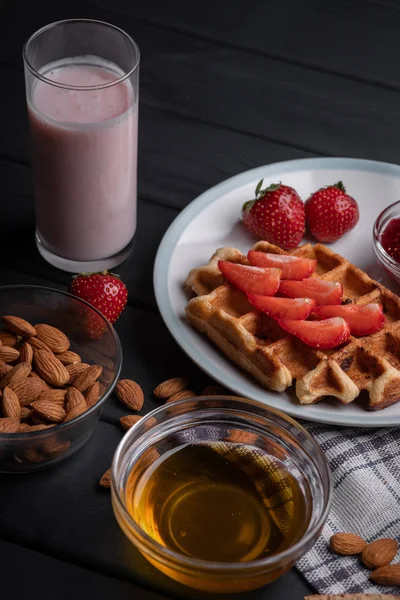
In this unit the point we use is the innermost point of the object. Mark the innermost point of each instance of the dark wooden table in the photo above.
(226, 85)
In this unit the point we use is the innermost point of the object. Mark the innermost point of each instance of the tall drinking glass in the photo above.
(82, 91)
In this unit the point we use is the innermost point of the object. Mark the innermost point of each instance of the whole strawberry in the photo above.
(331, 212)
(106, 292)
(276, 215)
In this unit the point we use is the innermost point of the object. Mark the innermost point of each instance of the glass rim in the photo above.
(377, 230)
(82, 88)
(26, 435)
(156, 550)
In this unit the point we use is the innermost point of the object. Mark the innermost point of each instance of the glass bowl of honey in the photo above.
(221, 493)
(386, 240)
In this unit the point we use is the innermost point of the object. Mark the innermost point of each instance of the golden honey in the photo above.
(221, 502)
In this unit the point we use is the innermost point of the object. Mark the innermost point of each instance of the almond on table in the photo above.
(129, 421)
(130, 393)
(172, 386)
(347, 544)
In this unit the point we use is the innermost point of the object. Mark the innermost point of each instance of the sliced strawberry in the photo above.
(363, 319)
(251, 279)
(318, 334)
(323, 292)
(292, 267)
(282, 308)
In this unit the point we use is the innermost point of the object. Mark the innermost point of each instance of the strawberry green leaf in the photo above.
(259, 186)
(247, 206)
(340, 186)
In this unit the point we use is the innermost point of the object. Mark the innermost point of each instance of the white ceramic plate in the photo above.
(212, 221)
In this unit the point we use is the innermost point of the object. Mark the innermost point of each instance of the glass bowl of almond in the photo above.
(59, 362)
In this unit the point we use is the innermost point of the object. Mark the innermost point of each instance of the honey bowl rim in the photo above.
(31, 435)
(156, 551)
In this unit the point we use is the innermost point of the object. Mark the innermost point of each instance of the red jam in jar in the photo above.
(390, 239)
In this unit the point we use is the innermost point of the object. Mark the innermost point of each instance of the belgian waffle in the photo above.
(277, 359)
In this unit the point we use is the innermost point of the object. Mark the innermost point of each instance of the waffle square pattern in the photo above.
(277, 359)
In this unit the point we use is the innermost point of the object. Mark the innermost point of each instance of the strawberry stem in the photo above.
(340, 186)
(260, 193)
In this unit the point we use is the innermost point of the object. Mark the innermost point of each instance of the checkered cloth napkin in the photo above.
(365, 466)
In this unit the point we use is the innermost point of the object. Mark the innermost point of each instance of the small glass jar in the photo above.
(210, 419)
(391, 266)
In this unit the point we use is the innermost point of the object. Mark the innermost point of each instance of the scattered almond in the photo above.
(20, 371)
(347, 544)
(10, 404)
(73, 398)
(23, 427)
(183, 395)
(26, 353)
(130, 393)
(386, 575)
(105, 480)
(8, 354)
(129, 420)
(27, 390)
(168, 388)
(8, 425)
(69, 358)
(50, 368)
(54, 338)
(8, 338)
(75, 370)
(19, 326)
(49, 410)
(379, 553)
(92, 394)
(87, 377)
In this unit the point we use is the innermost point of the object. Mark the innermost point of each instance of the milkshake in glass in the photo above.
(83, 114)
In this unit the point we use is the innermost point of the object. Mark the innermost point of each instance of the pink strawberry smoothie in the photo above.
(84, 145)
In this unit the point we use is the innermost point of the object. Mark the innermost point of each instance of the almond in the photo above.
(73, 398)
(8, 338)
(49, 410)
(105, 480)
(33, 455)
(87, 377)
(26, 353)
(130, 393)
(8, 425)
(75, 370)
(168, 388)
(69, 358)
(379, 553)
(40, 426)
(36, 376)
(57, 396)
(19, 326)
(10, 404)
(92, 394)
(54, 338)
(347, 543)
(55, 448)
(20, 371)
(38, 344)
(129, 420)
(8, 354)
(387, 575)
(36, 419)
(23, 427)
(181, 396)
(4, 368)
(27, 390)
(75, 411)
(50, 368)
(25, 413)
